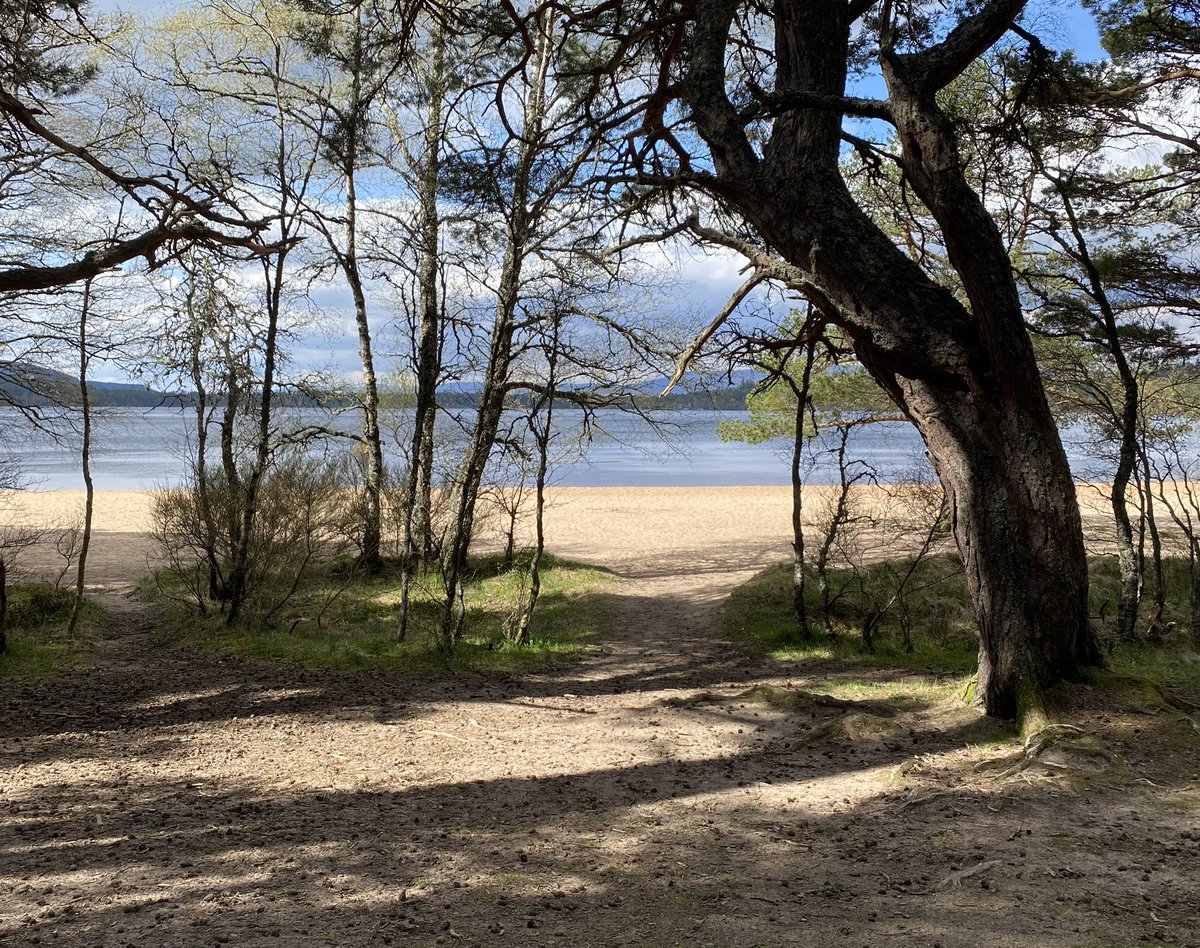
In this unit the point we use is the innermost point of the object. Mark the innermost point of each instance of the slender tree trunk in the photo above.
(495, 386)
(1128, 556)
(1128, 561)
(85, 458)
(1194, 597)
(372, 527)
(274, 275)
(372, 437)
(798, 443)
(428, 349)
(542, 436)
(539, 518)
(1150, 515)
(216, 581)
(418, 512)
(837, 519)
(233, 477)
(483, 437)
(239, 574)
(3, 605)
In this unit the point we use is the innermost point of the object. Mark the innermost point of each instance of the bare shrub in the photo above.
(68, 542)
(306, 515)
(916, 522)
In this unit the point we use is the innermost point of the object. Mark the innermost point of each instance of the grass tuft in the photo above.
(759, 616)
(38, 645)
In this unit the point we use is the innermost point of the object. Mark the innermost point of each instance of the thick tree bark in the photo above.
(967, 378)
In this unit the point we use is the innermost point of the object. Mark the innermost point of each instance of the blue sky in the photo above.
(704, 283)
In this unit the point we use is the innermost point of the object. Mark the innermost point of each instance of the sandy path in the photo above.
(162, 797)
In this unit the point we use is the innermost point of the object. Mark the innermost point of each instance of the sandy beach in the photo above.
(636, 529)
(735, 527)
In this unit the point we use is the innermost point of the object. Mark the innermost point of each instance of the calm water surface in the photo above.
(137, 449)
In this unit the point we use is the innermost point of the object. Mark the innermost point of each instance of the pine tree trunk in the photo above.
(500, 353)
(966, 376)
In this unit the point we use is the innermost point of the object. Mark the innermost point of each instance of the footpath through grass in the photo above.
(350, 623)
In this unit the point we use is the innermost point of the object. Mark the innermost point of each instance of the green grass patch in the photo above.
(356, 629)
(1177, 668)
(941, 625)
(38, 645)
(759, 615)
(1171, 663)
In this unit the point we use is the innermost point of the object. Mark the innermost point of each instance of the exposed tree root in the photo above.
(1062, 747)
(785, 699)
(1161, 698)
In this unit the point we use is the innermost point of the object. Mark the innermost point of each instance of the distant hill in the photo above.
(36, 386)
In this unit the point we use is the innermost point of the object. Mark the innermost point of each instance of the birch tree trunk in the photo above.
(85, 458)
(428, 348)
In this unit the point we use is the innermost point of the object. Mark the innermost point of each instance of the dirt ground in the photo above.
(159, 796)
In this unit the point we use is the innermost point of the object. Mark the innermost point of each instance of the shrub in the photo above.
(305, 513)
